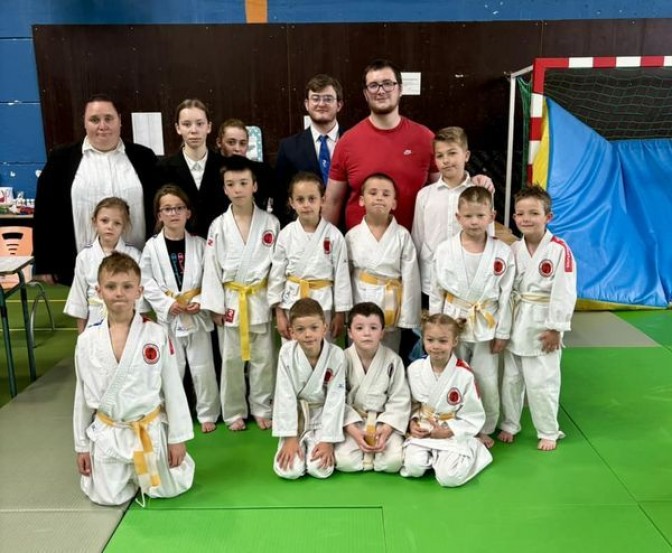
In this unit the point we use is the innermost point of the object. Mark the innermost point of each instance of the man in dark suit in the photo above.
(307, 150)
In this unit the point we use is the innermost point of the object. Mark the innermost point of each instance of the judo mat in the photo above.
(656, 324)
(608, 486)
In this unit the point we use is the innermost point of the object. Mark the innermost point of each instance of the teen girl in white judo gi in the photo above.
(310, 260)
(111, 218)
(383, 260)
(172, 271)
(448, 412)
(237, 262)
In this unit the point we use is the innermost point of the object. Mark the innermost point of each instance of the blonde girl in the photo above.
(310, 259)
(111, 219)
(172, 271)
(448, 413)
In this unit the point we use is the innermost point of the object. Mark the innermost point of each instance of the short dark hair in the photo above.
(118, 262)
(99, 97)
(477, 195)
(305, 307)
(538, 193)
(322, 81)
(238, 163)
(381, 176)
(377, 65)
(366, 309)
(452, 134)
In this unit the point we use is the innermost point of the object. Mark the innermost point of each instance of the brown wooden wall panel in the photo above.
(257, 72)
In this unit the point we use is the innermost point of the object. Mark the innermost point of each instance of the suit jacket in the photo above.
(54, 246)
(296, 153)
(207, 202)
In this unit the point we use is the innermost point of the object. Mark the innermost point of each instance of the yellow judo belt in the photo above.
(392, 297)
(184, 298)
(244, 290)
(473, 309)
(429, 414)
(305, 286)
(144, 459)
(537, 298)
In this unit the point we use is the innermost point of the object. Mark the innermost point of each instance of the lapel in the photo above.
(307, 151)
(436, 394)
(161, 252)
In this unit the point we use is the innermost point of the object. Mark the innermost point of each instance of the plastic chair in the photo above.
(19, 241)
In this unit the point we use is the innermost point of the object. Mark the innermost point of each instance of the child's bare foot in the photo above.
(487, 440)
(505, 437)
(237, 425)
(263, 423)
(207, 427)
(546, 445)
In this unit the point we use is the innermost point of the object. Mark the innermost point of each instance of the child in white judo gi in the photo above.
(436, 204)
(383, 260)
(111, 218)
(448, 413)
(544, 294)
(172, 271)
(309, 399)
(310, 260)
(472, 281)
(235, 276)
(378, 401)
(131, 416)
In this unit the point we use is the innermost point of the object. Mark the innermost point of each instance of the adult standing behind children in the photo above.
(305, 151)
(77, 177)
(195, 168)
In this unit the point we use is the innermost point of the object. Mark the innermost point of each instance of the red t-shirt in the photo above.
(405, 153)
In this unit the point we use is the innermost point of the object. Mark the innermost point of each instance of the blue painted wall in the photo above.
(22, 150)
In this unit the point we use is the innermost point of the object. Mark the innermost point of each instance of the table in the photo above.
(14, 265)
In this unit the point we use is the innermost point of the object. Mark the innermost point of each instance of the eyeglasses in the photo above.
(324, 98)
(173, 209)
(387, 86)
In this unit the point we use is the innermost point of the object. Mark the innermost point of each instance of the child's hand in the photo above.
(217, 318)
(84, 463)
(176, 454)
(324, 452)
(358, 434)
(550, 341)
(337, 324)
(193, 308)
(440, 432)
(282, 323)
(416, 430)
(175, 309)
(485, 182)
(383, 433)
(497, 345)
(290, 449)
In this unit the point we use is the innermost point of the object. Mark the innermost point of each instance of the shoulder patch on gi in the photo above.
(267, 238)
(569, 259)
(150, 353)
(499, 266)
(546, 268)
(463, 365)
(454, 396)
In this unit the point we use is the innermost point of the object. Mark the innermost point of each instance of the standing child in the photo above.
(472, 280)
(310, 260)
(436, 205)
(309, 396)
(111, 218)
(172, 271)
(131, 417)
(378, 399)
(544, 295)
(444, 426)
(235, 275)
(384, 260)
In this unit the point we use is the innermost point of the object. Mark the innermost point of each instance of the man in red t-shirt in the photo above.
(384, 142)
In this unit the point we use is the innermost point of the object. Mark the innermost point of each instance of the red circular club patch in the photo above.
(499, 266)
(546, 268)
(454, 396)
(268, 238)
(150, 353)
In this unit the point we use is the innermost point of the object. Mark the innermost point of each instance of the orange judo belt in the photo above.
(144, 459)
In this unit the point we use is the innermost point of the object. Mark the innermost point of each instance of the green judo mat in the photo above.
(608, 486)
(655, 324)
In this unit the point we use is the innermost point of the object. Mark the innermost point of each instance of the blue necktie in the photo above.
(323, 158)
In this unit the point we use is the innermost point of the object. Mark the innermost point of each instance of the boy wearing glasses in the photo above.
(311, 149)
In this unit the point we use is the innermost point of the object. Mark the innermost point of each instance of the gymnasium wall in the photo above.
(608, 27)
